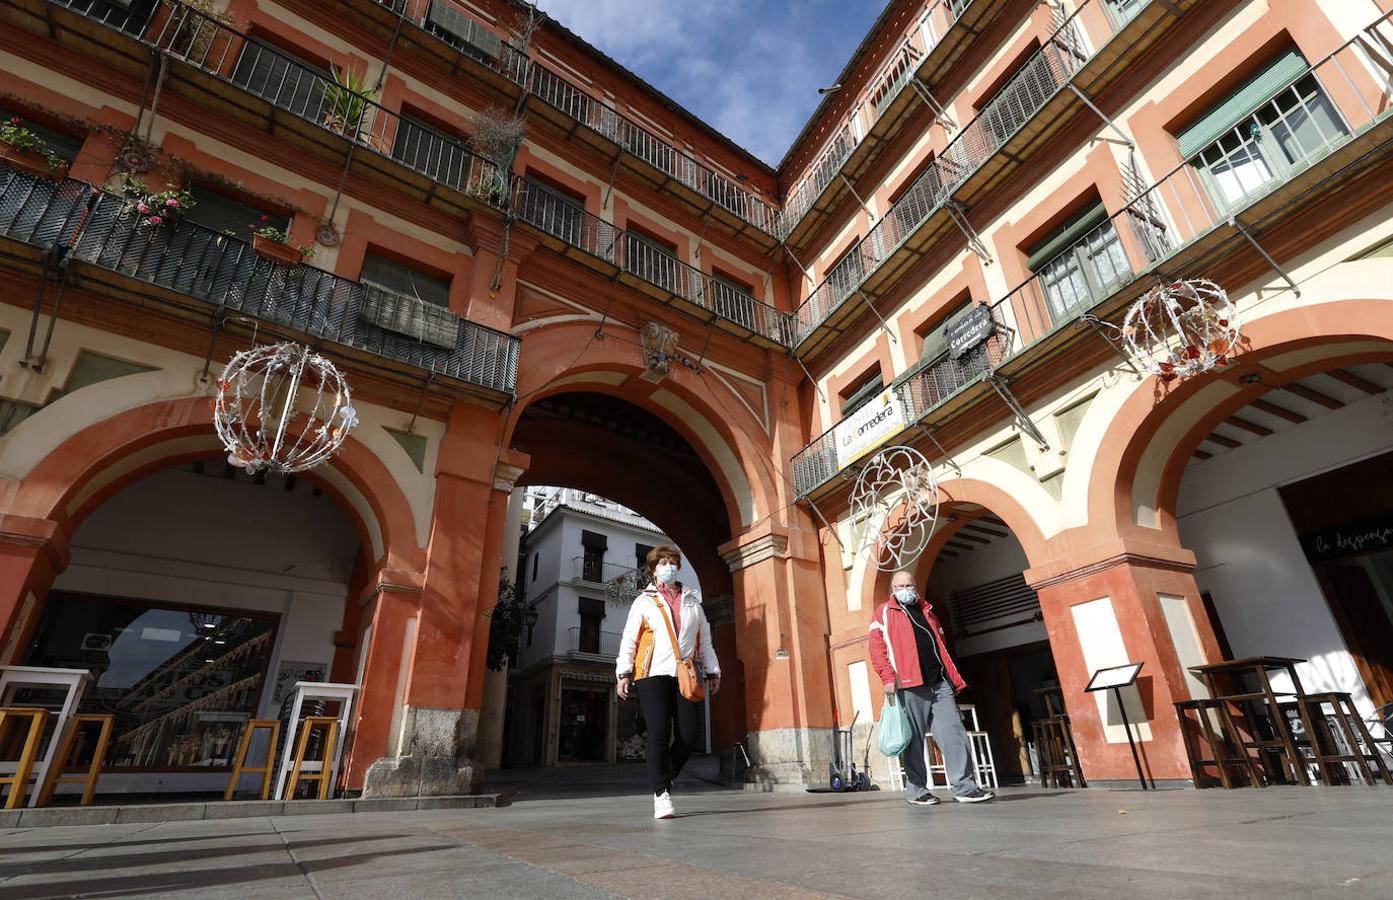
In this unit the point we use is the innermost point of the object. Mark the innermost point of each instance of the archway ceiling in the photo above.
(1295, 403)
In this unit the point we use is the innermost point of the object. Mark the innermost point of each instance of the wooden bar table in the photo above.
(1261, 667)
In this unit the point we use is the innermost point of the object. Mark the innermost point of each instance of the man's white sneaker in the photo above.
(662, 806)
(976, 795)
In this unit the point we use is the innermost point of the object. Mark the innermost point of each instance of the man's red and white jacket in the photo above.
(893, 649)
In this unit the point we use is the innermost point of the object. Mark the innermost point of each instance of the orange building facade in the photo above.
(631, 305)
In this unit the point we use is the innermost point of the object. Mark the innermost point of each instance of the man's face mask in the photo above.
(906, 595)
(666, 573)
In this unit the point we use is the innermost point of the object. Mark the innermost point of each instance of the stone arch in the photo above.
(734, 445)
(1139, 463)
(101, 458)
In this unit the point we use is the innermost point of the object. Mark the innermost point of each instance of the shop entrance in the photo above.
(1344, 520)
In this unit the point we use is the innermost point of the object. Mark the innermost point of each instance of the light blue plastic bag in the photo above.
(895, 732)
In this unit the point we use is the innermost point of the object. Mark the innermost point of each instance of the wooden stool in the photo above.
(19, 781)
(1059, 758)
(240, 767)
(66, 768)
(1229, 734)
(1359, 748)
(330, 725)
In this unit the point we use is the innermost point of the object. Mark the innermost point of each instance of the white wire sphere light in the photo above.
(896, 479)
(1181, 329)
(282, 408)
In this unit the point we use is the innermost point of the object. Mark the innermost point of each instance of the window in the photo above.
(1123, 11)
(847, 272)
(63, 145)
(407, 301)
(1273, 124)
(1014, 97)
(1080, 263)
(592, 617)
(641, 552)
(731, 299)
(431, 151)
(181, 681)
(535, 557)
(281, 78)
(865, 389)
(653, 260)
(224, 214)
(556, 209)
(453, 26)
(593, 560)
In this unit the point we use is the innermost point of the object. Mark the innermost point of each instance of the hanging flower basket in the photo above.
(276, 250)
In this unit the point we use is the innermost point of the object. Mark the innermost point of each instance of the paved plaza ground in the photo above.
(574, 835)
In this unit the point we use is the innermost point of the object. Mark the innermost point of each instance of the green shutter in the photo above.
(869, 389)
(936, 341)
(1240, 104)
(1068, 235)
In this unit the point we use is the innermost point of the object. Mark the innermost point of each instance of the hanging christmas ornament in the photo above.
(1181, 329)
(895, 500)
(281, 408)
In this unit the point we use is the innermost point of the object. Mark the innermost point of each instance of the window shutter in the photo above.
(1068, 235)
(593, 541)
(936, 341)
(1242, 102)
(865, 392)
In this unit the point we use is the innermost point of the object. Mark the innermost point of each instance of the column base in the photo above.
(787, 759)
(438, 757)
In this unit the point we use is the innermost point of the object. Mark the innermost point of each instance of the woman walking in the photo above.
(649, 665)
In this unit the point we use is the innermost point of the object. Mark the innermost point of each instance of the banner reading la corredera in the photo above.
(871, 425)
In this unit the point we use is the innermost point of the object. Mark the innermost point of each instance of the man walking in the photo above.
(909, 655)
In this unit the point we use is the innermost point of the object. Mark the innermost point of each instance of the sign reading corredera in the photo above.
(868, 427)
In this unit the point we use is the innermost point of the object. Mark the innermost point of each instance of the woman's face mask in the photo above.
(906, 595)
(666, 573)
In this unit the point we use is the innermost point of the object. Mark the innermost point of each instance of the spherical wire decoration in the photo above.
(896, 500)
(281, 408)
(1181, 328)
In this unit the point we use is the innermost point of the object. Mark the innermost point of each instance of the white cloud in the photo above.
(747, 75)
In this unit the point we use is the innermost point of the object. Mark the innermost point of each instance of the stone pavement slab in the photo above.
(595, 838)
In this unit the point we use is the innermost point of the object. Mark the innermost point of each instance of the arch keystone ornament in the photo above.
(282, 408)
(896, 499)
(1181, 329)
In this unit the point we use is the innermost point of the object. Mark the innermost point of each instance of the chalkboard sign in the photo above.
(1365, 536)
(969, 331)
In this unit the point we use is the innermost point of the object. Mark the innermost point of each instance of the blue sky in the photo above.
(750, 68)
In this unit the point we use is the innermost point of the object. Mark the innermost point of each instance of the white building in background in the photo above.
(579, 564)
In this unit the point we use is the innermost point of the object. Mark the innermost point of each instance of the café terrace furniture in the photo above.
(1270, 733)
(983, 765)
(1218, 741)
(67, 765)
(344, 695)
(15, 680)
(1055, 751)
(29, 722)
(1341, 738)
(267, 770)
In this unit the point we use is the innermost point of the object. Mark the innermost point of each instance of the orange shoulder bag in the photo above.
(688, 681)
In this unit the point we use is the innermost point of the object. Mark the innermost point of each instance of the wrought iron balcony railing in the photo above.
(1194, 205)
(559, 216)
(96, 228)
(1046, 72)
(894, 76)
(593, 642)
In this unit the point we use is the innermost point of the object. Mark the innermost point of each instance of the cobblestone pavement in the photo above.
(578, 836)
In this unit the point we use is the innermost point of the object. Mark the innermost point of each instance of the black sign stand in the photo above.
(1115, 678)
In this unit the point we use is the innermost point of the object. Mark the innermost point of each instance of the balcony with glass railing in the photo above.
(1294, 149)
(1034, 105)
(191, 267)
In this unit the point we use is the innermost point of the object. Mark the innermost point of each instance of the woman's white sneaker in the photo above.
(662, 806)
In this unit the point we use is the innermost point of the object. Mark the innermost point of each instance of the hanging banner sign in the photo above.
(871, 425)
(969, 331)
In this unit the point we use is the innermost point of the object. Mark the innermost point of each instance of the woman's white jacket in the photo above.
(649, 608)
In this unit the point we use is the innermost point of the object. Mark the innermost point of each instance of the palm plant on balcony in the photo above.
(153, 209)
(25, 150)
(346, 103)
(274, 243)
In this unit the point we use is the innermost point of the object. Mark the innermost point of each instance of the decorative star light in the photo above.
(1181, 328)
(281, 408)
(896, 497)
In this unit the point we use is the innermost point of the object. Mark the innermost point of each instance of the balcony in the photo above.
(443, 32)
(574, 233)
(255, 83)
(183, 267)
(589, 642)
(1033, 107)
(594, 570)
(858, 143)
(1183, 224)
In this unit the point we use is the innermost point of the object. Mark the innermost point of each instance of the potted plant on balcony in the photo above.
(274, 243)
(346, 104)
(154, 209)
(26, 151)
